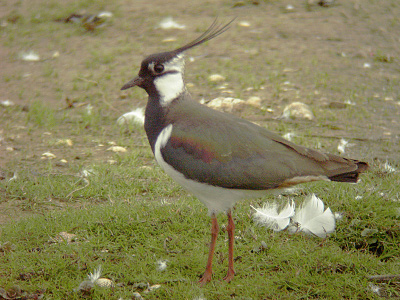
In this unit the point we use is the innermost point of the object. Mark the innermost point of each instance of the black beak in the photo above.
(137, 81)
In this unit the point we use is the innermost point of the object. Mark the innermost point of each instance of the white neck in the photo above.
(169, 87)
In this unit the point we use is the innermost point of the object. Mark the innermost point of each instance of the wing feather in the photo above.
(223, 150)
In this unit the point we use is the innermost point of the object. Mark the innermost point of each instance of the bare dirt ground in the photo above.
(341, 60)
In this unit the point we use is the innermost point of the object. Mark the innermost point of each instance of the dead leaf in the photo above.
(64, 237)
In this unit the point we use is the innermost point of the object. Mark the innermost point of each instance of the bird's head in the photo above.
(162, 73)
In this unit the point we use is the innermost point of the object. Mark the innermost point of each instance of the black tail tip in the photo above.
(353, 175)
(362, 166)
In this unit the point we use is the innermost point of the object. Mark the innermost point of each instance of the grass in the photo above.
(141, 217)
(41, 115)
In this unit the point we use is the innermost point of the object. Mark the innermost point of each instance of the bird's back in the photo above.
(242, 155)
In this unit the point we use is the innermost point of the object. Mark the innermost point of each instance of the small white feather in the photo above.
(169, 23)
(289, 136)
(93, 277)
(105, 14)
(338, 216)
(15, 177)
(388, 168)
(29, 56)
(89, 109)
(6, 103)
(161, 264)
(312, 219)
(134, 116)
(342, 145)
(269, 216)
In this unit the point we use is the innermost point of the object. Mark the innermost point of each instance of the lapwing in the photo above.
(219, 157)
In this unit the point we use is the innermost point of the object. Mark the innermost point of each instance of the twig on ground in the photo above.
(383, 278)
(81, 188)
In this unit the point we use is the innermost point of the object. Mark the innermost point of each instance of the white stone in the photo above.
(297, 110)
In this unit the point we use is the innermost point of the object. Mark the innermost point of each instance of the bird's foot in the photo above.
(230, 275)
(206, 278)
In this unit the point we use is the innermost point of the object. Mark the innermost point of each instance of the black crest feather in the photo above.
(214, 30)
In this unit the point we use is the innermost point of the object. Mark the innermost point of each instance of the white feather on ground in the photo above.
(289, 136)
(169, 23)
(29, 56)
(387, 168)
(342, 145)
(269, 216)
(311, 218)
(134, 116)
(97, 280)
(93, 277)
(161, 264)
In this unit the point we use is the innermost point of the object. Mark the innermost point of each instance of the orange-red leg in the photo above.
(231, 238)
(214, 234)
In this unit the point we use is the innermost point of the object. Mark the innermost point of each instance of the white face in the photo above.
(170, 84)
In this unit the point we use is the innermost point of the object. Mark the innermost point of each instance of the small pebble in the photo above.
(289, 7)
(29, 56)
(216, 78)
(104, 282)
(244, 24)
(297, 110)
(6, 103)
(48, 155)
(117, 149)
(254, 101)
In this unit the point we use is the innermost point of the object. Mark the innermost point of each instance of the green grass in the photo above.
(41, 115)
(141, 218)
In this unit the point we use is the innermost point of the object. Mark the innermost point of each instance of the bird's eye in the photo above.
(158, 68)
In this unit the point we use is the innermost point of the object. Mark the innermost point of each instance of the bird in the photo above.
(219, 157)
